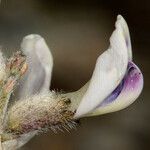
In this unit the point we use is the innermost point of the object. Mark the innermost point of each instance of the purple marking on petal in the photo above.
(113, 95)
(133, 77)
(130, 82)
(127, 42)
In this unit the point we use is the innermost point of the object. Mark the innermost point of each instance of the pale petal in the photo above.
(40, 64)
(109, 71)
(125, 94)
(122, 22)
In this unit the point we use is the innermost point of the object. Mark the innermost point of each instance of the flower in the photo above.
(116, 81)
(115, 84)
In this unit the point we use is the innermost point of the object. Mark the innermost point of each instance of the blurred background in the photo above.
(77, 32)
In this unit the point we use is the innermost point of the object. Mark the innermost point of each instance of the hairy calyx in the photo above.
(40, 112)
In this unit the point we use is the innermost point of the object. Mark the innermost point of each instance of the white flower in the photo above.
(115, 84)
(116, 81)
